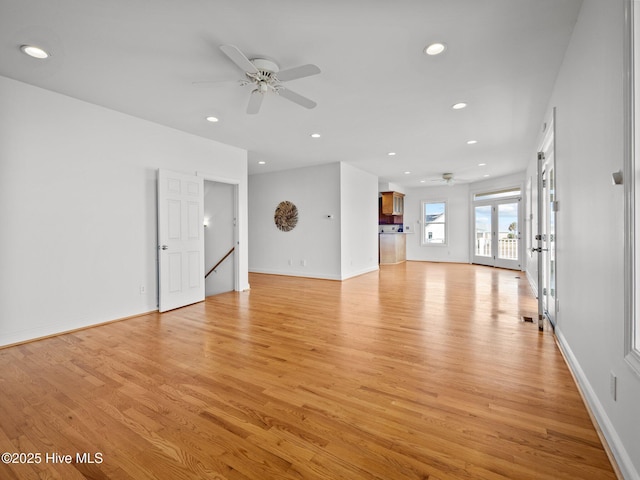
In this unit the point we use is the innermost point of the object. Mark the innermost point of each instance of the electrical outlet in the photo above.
(613, 386)
(143, 289)
(290, 262)
(303, 263)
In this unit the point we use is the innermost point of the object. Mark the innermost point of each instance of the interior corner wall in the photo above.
(589, 101)
(359, 221)
(312, 248)
(78, 209)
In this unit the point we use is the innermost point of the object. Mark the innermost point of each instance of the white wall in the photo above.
(334, 248)
(315, 241)
(588, 96)
(459, 217)
(457, 248)
(78, 209)
(359, 221)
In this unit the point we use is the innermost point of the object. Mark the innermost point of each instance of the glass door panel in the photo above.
(483, 253)
(549, 244)
(508, 231)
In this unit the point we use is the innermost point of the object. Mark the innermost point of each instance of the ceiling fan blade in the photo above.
(238, 58)
(298, 72)
(215, 83)
(255, 101)
(296, 98)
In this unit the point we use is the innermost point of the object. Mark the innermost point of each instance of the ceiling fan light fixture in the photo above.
(448, 178)
(34, 52)
(435, 49)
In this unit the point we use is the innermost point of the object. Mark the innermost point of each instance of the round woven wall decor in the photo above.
(286, 216)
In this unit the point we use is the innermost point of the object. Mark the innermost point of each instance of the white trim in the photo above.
(236, 234)
(631, 270)
(288, 273)
(423, 223)
(614, 443)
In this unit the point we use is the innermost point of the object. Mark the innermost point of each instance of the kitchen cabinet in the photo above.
(392, 203)
(393, 248)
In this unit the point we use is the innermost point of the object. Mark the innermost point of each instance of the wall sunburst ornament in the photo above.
(286, 216)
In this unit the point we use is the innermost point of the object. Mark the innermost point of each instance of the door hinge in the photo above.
(544, 183)
(540, 155)
(555, 206)
(544, 291)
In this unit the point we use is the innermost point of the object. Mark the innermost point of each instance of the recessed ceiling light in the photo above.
(315, 135)
(262, 162)
(472, 142)
(482, 164)
(487, 175)
(391, 154)
(435, 49)
(33, 51)
(423, 181)
(212, 119)
(407, 173)
(459, 106)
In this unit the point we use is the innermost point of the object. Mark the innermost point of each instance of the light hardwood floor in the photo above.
(419, 371)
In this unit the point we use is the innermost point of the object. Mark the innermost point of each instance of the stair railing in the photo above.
(219, 262)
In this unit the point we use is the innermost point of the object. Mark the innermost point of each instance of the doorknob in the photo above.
(164, 247)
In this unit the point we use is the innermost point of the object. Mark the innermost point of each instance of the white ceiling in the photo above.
(378, 92)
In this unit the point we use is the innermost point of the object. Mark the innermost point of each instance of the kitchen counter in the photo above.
(393, 247)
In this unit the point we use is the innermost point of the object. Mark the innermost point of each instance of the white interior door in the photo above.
(180, 240)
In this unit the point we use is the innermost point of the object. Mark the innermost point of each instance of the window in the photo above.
(434, 217)
(497, 194)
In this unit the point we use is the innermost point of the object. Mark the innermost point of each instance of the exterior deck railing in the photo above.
(507, 248)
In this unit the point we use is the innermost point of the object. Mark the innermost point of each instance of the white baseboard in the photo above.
(357, 273)
(614, 444)
(321, 276)
(290, 273)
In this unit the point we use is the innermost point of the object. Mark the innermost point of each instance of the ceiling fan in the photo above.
(446, 179)
(265, 76)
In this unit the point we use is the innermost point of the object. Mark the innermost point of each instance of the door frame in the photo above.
(236, 238)
(546, 208)
(493, 260)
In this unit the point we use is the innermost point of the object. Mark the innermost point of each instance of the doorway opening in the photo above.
(220, 237)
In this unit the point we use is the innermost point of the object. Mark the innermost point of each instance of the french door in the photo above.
(497, 233)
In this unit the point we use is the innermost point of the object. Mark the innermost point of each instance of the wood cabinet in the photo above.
(393, 248)
(392, 203)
